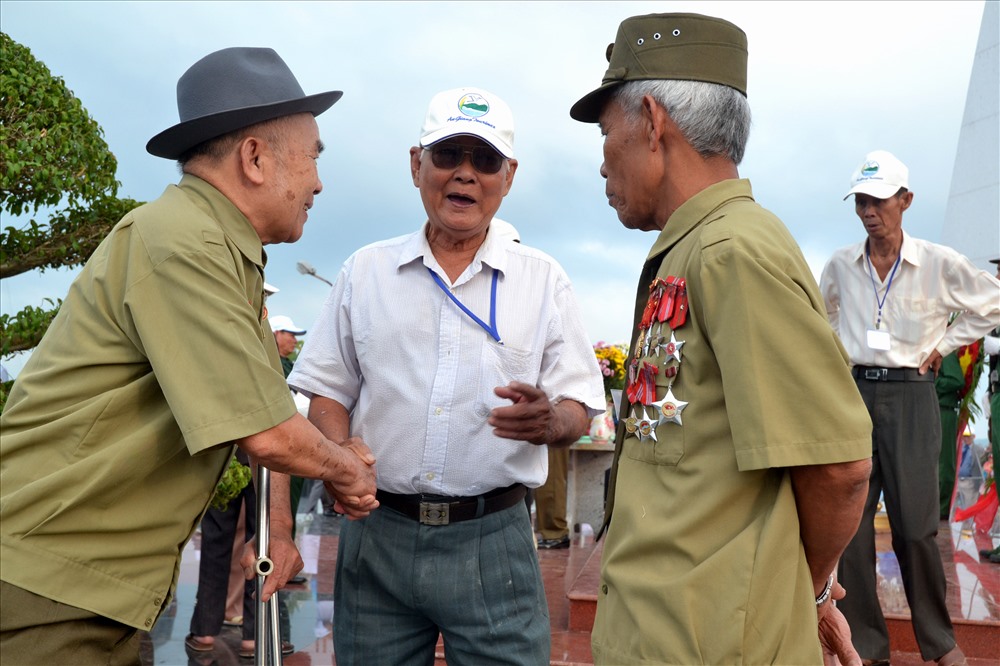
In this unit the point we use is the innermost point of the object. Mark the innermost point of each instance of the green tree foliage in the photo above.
(52, 154)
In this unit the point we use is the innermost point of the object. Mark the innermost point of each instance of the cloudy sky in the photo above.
(828, 82)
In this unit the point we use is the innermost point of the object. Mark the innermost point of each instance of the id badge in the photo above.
(878, 340)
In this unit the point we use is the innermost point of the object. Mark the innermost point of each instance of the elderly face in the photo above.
(286, 342)
(460, 201)
(294, 179)
(883, 218)
(626, 169)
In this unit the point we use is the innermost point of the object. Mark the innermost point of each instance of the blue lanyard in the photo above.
(871, 274)
(492, 328)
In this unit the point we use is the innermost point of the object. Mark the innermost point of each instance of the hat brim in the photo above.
(173, 142)
(875, 189)
(447, 133)
(588, 108)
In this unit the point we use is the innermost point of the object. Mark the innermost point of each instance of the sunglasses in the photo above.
(449, 155)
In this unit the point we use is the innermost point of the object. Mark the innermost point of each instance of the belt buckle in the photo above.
(876, 374)
(434, 513)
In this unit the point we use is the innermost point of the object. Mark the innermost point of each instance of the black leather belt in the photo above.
(438, 510)
(874, 374)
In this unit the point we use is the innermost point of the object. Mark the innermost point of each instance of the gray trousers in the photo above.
(400, 584)
(906, 444)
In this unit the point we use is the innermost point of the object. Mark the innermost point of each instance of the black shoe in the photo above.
(986, 552)
(297, 580)
(550, 544)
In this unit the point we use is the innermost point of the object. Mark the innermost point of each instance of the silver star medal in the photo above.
(646, 430)
(670, 408)
(632, 422)
(672, 347)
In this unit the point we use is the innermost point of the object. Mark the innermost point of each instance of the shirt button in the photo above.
(149, 621)
(604, 589)
(438, 411)
(157, 601)
(430, 476)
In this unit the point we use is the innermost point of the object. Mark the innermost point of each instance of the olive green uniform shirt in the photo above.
(703, 562)
(121, 423)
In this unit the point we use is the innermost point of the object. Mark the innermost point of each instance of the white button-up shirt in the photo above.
(931, 282)
(417, 373)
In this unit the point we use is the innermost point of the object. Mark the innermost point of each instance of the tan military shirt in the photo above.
(703, 561)
(120, 425)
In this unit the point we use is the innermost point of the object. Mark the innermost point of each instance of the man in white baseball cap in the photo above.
(456, 355)
(889, 298)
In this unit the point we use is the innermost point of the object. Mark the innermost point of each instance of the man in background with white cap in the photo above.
(286, 337)
(889, 298)
(159, 362)
(455, 354)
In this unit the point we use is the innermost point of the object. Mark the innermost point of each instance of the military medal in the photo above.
(671, 347)
(632, 422)
(667, 305)
(670, 408)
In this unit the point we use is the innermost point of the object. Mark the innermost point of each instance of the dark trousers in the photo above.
(947, 478)
(906, 444)
(217, 531)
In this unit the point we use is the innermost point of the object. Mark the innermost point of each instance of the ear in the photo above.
(415, 165)
(654, 122)
(905, 201)
(509, 176)
(250, 154)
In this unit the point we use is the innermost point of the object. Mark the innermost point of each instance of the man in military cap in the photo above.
(742, 455)
(159, 362)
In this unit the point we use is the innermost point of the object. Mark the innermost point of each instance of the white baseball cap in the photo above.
(270, 289)
(283, 323)
(880, 175)
(469, 112)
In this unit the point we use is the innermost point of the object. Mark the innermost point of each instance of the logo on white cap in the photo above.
(473, 105)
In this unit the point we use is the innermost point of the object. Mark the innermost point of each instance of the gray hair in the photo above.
(715, 119)
(213, 151)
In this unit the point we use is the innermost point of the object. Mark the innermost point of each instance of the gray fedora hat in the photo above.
(231, 89)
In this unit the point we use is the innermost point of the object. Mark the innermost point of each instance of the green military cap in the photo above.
(688, 47)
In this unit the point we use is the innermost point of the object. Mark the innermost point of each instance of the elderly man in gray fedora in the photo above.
(160, 361)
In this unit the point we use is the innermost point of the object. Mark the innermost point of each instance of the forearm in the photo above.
(570, 423)
(830, 500)
(330, 417)
(295, 447)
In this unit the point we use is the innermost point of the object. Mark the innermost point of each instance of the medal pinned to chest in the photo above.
(667, 307)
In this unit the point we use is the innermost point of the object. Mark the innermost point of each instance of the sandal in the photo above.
(192, 642)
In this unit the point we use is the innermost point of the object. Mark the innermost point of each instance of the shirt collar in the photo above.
(493, 252)
(907, 250)
(231, 221)
(698, 209)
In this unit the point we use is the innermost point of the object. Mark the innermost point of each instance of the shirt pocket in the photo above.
(500, 365)
(910, 320)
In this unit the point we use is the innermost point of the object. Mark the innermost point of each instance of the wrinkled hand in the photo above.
(283, 554)
(354, 491)
(531, 418)
(933, 362)
(834, 632)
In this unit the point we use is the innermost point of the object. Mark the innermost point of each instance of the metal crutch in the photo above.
(267, 646)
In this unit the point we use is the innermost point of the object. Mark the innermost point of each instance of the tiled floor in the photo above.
(974, 595)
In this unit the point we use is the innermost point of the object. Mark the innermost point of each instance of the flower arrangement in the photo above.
(612, 360)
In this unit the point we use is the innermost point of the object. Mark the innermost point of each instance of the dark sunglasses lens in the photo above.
(446, 157)
(486, 159)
